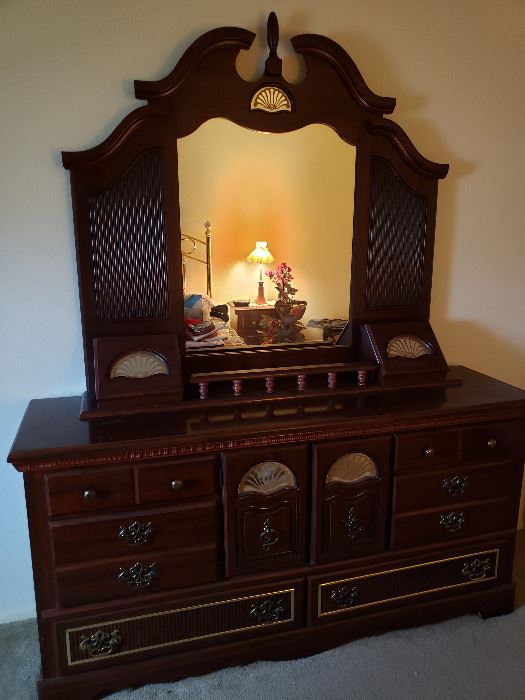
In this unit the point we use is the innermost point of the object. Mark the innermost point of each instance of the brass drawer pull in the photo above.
(268, 611)
(476, 569)
(89, 494)
(492, 443)
(136, 533)
(354, 527)
(455, 485)
(268, 536)
(452, 522)
(429, 452)
(177, 484)
(344, 597)
(100, 643)
(138, 575)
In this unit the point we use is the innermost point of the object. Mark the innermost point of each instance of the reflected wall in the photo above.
(294, 190)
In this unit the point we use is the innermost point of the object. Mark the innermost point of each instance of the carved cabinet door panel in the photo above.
(264, 495)
(350, 493)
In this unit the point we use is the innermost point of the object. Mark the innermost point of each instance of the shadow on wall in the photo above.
(464, 342)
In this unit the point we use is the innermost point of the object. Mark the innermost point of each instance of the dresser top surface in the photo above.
(51, 427)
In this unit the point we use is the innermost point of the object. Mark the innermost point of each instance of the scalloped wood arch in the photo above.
(386, 286)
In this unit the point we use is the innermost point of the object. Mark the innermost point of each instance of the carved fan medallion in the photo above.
(139, 364)
(408, 346)
(350, 467)
(266, 478)
(271, 99)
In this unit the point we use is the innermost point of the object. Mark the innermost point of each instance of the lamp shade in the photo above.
(260, 254)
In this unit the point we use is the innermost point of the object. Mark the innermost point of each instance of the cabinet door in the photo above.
(264, 495)
(350, 493)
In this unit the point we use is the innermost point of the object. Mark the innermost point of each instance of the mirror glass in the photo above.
(293, 191)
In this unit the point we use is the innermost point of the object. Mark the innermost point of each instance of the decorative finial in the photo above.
(273, 64)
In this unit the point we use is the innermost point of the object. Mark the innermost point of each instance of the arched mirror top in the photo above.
(350, 468)
(127, 198)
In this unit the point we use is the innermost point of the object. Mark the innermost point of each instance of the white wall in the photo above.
(66, 80)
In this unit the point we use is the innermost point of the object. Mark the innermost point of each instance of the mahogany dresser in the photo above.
(171, 548)
(205, 507)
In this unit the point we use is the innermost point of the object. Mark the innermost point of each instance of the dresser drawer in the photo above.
(135, 533)
(447, 524)
(265, 494)
(199, 622)
(346, 595)
(177, 481)
(452, 486)
(427, 449)
(89, 490)
(136, 574)
(491, 442)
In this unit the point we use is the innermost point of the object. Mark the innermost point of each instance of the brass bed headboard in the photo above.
(189, 255)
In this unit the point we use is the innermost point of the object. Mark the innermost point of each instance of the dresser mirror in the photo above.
(310, 174)
(293, 190)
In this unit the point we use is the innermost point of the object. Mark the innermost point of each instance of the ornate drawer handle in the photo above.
(476, 569)
(268, 536)
(429, 452)
(176, 484)
(268, 611)
(354, 527)
(139, 575)
(452, 522)
(100, 643)
(492, 443)
(89, 494)
(136, 533)
(344, 597)
(455, 485)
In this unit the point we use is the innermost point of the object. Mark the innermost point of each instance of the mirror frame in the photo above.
(136, 168)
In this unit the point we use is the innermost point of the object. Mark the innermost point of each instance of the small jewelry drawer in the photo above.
(136, 574)
(428, 449)
(491, 442)
(453, 486)
(89, 490)
(348, 594)
(198, 622)
(449, 523)
(177, 481)
(135, 533)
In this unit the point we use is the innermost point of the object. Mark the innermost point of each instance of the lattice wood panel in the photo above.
(129, 246)
(396, 243)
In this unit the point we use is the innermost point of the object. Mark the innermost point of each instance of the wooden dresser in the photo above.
(205, 507)
(172, 547)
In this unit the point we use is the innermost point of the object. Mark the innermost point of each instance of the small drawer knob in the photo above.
(492, 443)
(177, 484)
(429, 452)
(89, 494)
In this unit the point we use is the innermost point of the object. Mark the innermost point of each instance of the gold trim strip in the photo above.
(70, 662)
(407, 595)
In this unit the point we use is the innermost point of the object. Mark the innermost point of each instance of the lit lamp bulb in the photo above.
(260, 255)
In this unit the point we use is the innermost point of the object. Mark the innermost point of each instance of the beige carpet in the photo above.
(462, 659)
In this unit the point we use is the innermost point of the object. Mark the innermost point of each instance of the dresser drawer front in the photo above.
(177, 481)
(135, 533)
(89, 490)
(265, 503)
(426, 449)
(452, 486)
(347, 595)
(448, 524)
(233, 615)
(138, 574)
(350, 493)
(491, 442)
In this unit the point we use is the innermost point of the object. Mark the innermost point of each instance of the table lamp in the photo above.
(260, 255)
